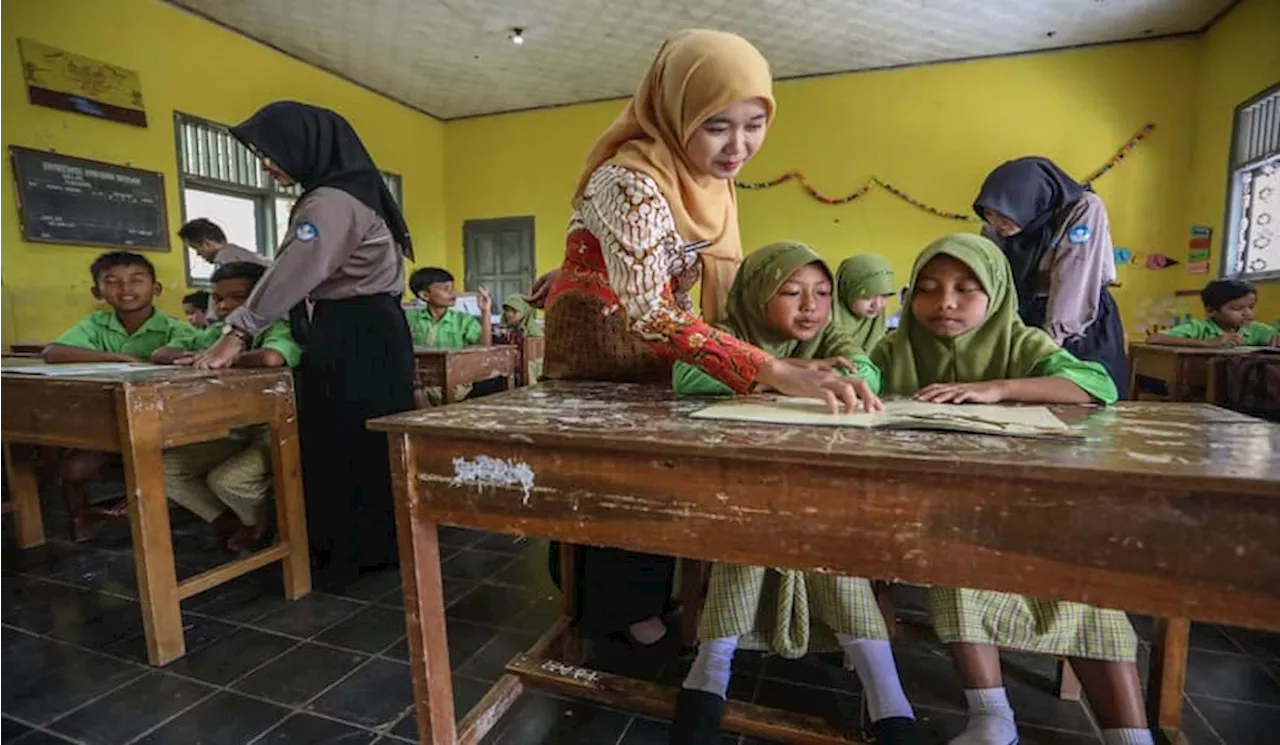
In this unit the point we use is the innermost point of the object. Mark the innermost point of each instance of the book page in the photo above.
(82, 368)
(1013, 421)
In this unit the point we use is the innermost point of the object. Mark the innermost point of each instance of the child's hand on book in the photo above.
(986, 392)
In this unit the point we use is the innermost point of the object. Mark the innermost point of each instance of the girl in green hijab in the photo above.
(961, 340)
(517, 313)
(781, 301)
(864, 286)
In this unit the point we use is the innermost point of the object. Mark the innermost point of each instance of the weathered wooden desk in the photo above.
(1187, 371)
(449, 368)
(1167, 509)
(138, 414)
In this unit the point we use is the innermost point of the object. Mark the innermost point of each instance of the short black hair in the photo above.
(113, 259)
(1219, 292)
(199, 299)
(239, 270)
(200, 230)
(420, 280)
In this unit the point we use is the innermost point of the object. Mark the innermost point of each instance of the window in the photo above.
(221, 179)
(1252, 234)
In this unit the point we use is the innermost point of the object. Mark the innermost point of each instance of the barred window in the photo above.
(1252, 233)
(222, 180)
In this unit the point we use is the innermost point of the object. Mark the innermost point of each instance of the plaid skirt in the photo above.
(1032, 625)
(788, 612)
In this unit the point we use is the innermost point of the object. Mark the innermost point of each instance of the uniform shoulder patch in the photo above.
(1079, 234)
(306, 231)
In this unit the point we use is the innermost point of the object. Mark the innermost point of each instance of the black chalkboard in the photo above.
(86, 202)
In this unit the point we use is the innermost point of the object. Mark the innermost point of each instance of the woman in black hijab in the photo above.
(1057, 238)
(344, 250)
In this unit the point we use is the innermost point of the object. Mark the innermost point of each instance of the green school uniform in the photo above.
(999, 348)
(528, 324)
(1254, 335)
(102, 331)
(454, 329)
(858, 278)
(277, 337)
(785, 611)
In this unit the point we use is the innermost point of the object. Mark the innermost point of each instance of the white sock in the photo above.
(1127, 736)
(990, 718)
(711, 668)
(872, 660)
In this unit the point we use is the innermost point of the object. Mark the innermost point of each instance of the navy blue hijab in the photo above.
(1029, 191)
(317, 147)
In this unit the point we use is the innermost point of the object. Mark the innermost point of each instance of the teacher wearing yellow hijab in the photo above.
(655, 213)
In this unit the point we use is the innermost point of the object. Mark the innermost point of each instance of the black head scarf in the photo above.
(1030, 191)
(317, 147)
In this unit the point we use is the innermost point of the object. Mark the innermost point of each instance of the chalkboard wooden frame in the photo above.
(30, 231)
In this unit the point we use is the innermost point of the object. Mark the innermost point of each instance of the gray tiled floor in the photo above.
(332, 668)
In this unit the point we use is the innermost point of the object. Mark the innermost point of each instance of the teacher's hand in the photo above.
(537, 296)
(823, 385)
(220, 355)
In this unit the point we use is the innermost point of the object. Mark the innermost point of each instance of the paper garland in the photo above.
(861, 191)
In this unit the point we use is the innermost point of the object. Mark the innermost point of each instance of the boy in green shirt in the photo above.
(441, 327)
(129, 332)
(226, 482)
(438, 325)
(1229, 305)
(133, 328)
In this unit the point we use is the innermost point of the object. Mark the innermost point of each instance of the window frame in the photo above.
(1234, 191)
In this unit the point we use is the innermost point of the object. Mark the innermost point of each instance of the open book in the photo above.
(987, 419)
(82, 368)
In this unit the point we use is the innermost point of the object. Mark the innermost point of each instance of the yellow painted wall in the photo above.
(934, 131)
(1240, 57)
(193, 66)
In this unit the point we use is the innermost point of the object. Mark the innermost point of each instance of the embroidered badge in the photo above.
(306, 231)
(1079, 234)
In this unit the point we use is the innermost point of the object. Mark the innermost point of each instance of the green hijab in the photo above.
(998, 348)
(859, 277)
(761, 274)
(528, 315)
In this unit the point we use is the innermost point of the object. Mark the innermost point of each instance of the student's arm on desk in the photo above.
(56, 353)
(260, 358)
(1165, 340)
(168, 355)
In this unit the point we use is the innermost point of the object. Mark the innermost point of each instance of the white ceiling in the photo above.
(452, 58)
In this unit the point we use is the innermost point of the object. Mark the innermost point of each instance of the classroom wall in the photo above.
(194, 66)
(934, 131)
(1240, 57)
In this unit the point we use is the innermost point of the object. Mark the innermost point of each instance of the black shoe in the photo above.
(897, 731)
(697, 721)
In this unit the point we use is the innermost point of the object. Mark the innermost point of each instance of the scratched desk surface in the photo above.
(1201, 446)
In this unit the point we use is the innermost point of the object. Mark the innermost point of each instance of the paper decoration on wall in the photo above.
(1122, 256)
(861, 191)
(68, 82)
(1160, 261)
(1198, 249)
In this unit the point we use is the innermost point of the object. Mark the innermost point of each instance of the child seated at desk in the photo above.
(961, 341)
(864, 287)
(781, 302)
(1228, 322)
(129, 332)
(439, 326)
(226, 482)
(196, 308)
(519, 320)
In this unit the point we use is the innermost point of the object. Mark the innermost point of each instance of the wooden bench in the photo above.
(1095, 521)
(450, 368)
(138, 414)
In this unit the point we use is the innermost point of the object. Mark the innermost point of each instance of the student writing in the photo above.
(1228, 306)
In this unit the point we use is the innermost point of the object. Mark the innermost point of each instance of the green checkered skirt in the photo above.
(788, 612)
(1032, 625)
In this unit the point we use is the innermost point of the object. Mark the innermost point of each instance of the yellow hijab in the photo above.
(695, 74)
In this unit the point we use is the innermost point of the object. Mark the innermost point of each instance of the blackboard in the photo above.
(86, 202)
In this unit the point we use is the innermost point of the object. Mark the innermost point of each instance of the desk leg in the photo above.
(423, 604)
(138, 414)
(291, 515)
(25, 493)
(446, 386)
(1167, 673)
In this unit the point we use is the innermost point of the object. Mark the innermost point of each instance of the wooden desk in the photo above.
(449, 368)
(1185, 370)
(532, 351)
(26, 350)
(1143, 516)
(138, 414)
